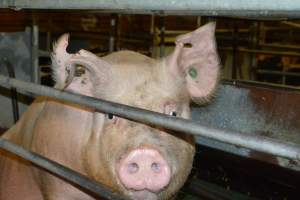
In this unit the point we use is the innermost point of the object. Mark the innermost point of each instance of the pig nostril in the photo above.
(133, 168)
(155, 167)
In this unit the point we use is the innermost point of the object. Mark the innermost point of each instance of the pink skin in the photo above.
(144, 169)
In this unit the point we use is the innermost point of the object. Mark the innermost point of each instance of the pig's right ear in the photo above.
(197, 63)
(64, 66)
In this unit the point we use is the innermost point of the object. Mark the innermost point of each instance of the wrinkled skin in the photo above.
(94, 143)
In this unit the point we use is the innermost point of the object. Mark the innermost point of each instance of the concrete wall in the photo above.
(15, 47)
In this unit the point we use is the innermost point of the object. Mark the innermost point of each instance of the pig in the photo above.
(139, 161)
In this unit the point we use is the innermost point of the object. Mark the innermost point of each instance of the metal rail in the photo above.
(95, 188)
(262, 71)
(255, 8)
(258, 143)
(267, 52)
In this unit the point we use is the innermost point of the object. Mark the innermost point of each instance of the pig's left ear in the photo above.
(195, 58)
(94, 70)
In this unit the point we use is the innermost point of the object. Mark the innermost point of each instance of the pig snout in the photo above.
(144, 169)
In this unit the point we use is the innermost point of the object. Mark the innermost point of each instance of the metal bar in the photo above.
(293, 24)
(112, 34)
(267, 52)
(282, 46)
(162, 36)
(234, 50)
(258, 143)
(43, 53)
(35, 54)
(262, 71)
(284, 8)
(60, 170)
(261, 84)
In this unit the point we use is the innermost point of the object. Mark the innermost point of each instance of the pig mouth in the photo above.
(143, 195)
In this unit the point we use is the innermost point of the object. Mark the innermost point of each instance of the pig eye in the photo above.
(171, 108)
(173, 113)
(112, 118)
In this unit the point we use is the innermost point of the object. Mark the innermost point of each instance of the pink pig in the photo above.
(139, 161)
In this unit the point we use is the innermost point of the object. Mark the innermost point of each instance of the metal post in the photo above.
(162, 35)
(35, 54)
(119, 32)
(254, 142)
(282, 73)
(153, 35)
(112, 39)
(253, 45)
(234, 50)
(199, 19)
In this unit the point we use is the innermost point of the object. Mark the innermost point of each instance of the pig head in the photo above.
(137, 160)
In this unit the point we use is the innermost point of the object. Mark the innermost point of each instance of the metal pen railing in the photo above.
(253, 142)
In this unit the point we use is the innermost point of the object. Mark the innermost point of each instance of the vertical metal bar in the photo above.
(119, 31)
(35, 54)
(283, 77)
(235, 50)
(162, 35)
(199, 19)
(49, 34)
(48, 41)
(253, 42)
(111, 47)
(152, 35)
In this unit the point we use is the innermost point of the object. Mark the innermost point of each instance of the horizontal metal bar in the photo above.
(43, 53)
(267, 52)
(279, 46)
(68, 174)
(287, 8)
(261, 71)
(264, 85)
(258, 143)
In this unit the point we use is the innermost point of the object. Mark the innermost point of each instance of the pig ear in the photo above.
(59, 57)
(195, 58)
(64, 65)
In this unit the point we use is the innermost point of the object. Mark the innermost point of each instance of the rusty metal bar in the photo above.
(63, 172)
(258, 143)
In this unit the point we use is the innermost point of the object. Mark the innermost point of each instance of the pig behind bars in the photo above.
(139, 161)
